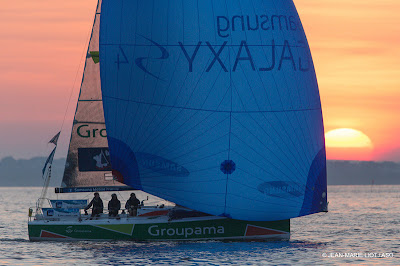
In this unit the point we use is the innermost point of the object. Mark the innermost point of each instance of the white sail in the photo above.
(88, 163)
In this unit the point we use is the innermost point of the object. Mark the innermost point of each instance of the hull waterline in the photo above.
(157, 229)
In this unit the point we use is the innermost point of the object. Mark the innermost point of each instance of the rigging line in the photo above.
(84, 53)
(87, 42)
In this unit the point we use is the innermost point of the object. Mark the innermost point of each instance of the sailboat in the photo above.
(211, 105)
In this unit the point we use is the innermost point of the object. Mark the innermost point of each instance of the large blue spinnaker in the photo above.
(214, 105)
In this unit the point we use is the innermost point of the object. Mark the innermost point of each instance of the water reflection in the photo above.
(359, 220)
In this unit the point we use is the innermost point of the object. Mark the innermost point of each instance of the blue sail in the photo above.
(214, 105)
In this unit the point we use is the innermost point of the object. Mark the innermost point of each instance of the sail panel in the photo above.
(88, 166)
(214, 106)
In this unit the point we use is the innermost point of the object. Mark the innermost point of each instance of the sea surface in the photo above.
(361, 227)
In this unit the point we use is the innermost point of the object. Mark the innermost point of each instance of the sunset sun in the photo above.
(347, 137)
(348, 144)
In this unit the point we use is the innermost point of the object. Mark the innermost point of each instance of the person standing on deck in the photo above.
(97, 204)
(114, 205)
(132, 205)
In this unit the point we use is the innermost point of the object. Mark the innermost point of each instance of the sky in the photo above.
(354, 44)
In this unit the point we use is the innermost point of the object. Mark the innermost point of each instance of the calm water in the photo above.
(362, 221)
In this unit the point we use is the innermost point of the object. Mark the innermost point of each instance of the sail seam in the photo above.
(201, 45)
(216, 111)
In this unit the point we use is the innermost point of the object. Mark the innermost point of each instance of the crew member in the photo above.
(114, 205)
(97, 204)
(132, 205)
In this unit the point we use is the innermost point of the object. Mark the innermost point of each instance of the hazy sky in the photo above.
(355, 47)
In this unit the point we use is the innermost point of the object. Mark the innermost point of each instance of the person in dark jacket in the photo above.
(132, 205)
(114, 205)
(97, 204)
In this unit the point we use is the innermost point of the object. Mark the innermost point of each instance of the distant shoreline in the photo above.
(27, 172)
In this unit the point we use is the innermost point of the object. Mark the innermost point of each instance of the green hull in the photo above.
(156, 229)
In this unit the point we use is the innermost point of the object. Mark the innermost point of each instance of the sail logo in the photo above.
(140, 61)
(261, 58)
(94, 159)
(160, 165)
(186, 232)
(84, 131)
(266, 56)
(281, 189)
(228, 25)
(102, 159)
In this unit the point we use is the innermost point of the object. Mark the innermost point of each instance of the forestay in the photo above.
(214, 105)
